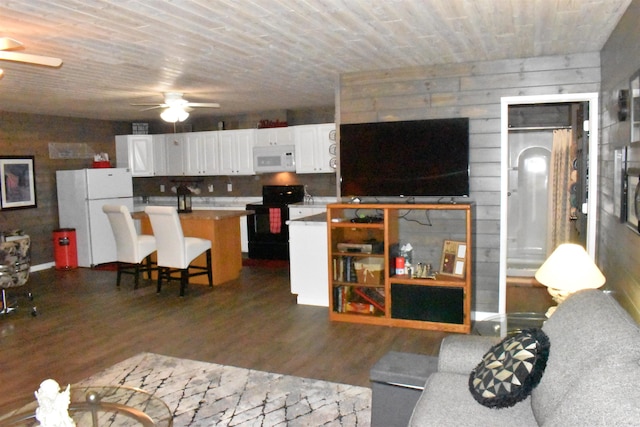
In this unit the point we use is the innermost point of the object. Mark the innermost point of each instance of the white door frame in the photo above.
(592, 201)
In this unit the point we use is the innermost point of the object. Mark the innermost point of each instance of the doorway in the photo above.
(544, 187)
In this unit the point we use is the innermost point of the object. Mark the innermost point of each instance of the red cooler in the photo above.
(65, 248)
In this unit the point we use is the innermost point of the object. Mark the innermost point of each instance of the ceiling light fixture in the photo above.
(174, 114)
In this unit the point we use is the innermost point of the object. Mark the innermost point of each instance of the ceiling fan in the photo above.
(8, 44)
(176, 108)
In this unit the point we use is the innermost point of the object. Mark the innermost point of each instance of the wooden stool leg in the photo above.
(209, 272)
(161, 271)
(184, 279)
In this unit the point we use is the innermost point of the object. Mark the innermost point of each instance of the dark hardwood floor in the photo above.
(86, 324)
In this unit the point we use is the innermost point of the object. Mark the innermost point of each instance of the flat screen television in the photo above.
(407, 158)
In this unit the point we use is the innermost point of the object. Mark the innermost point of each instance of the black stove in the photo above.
(268, 232)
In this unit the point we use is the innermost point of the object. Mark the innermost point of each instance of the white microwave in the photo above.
(274, 158)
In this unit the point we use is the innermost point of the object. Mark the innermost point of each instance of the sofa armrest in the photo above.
(460, 354)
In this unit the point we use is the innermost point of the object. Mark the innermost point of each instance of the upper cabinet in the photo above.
(135, 152)
(202, 153)
(228, 152)
(159, 155)
(236, 151)
(315, 148)
(176, 146)
(274, 136)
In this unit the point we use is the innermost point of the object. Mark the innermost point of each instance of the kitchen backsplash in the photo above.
(319, 185)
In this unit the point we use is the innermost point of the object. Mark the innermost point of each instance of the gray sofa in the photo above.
(592, 377)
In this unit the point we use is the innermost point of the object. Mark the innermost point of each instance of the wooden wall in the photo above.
(469, 90)
(28, 134)
(618, 245)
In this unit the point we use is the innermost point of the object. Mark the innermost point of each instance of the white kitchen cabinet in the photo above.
(274, 136)
(313, 148)
(201, 153)
(236, 151)
(159, 155)
(135, 152)
(301, 211)
(175, 149)
(307, 263)
(211, 152)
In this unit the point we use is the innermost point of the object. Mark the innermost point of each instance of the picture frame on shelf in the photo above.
(454, 258)
(18, 187)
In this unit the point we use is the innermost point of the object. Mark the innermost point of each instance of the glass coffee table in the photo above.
(508, 324)
(103, 406)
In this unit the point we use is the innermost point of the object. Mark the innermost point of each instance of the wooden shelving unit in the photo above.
(364, 288)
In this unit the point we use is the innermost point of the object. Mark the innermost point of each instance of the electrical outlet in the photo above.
(162, 188)
(210, 188)
(229, 187)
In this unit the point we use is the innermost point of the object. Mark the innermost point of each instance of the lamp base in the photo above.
(558, 296)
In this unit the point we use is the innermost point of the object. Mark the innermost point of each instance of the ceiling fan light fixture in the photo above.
(174, 114)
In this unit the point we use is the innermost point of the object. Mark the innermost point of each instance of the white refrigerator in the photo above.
(81, 195)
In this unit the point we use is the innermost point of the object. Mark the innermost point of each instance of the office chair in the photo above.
(15, 262)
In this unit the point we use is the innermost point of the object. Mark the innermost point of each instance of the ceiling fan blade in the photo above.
(148, 104)
(7, 43)
(153, 108)
(31, 59)
(204, 104)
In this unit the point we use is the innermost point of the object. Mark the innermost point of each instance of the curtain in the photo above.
(560, 182)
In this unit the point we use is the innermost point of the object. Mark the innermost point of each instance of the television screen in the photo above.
(406, 158)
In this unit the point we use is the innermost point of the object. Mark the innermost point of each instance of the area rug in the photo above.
(208, 394)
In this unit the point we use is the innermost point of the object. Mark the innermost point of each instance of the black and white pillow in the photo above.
(511, 369)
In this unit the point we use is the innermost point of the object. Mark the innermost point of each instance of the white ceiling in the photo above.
(260, 55)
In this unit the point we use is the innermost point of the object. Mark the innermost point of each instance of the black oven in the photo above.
(268, 232)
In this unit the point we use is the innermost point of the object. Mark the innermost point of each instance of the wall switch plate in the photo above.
(229, 187)
(162, 188)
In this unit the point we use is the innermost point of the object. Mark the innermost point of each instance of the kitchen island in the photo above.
(222, 227)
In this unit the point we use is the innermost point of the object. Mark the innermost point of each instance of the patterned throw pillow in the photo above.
(511, 369)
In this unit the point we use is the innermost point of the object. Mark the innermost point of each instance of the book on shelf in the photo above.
(355, 299)
(344, 269)
(371, 296)
(359, 308)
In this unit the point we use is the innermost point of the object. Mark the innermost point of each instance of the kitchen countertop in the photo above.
(198, 203)
(204, 202)
(209, 214)
(317, 202)
(317, 219)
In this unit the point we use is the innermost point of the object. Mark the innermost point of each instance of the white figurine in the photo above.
(53, 405)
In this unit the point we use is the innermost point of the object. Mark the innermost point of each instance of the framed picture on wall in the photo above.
(633, 199)
(619, 183)
(18, 187)
(634, 99)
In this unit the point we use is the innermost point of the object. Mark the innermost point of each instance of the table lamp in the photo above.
(568, 270)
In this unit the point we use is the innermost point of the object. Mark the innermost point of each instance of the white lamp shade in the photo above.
(570, 268)
(174, 114)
